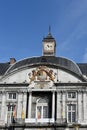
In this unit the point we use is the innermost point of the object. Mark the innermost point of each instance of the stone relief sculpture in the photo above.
(41, 73)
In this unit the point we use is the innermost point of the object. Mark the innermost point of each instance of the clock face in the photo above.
(48, 47)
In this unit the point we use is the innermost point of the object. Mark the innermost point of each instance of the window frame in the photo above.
(42, 105)
(71, 111)
(10, 110)
(11, 96)
(71, 95)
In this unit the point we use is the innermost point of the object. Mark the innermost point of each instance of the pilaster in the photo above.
(58, 105)
(64, 104)
(20, 103)
(29, 104)
(53, 105)
(85, 105)
(80, 106)
(24, 102)
(3, 109)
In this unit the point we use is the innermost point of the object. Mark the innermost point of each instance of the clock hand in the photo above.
(48, 45)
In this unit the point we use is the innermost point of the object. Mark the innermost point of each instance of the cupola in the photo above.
(49, 45)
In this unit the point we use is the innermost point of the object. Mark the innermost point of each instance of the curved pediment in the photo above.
(50, 67)
(42, 73)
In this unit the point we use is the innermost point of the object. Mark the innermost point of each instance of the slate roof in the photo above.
(46, 60)
(83, 68)
(4, 67)
(49, 38)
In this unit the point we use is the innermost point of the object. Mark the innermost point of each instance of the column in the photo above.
(85, 106)
(79, 106)
(53, 105)
(29, 104)
(19, 105)
(64, 105)
(3, 108)
(24, 103)
(58, 105)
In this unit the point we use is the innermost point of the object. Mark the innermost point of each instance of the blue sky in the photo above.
(24, 24)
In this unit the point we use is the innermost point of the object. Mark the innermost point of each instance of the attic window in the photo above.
(71, 94)
(11, 95)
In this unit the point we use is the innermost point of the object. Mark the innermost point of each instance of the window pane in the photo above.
(69, 107)
(9, 108)
(45, 112)
(69, 116)
(73, 95)
(39, 112)
(74, 107)
(73, 116)
(14, 95)
(42, 101)
(12, 107)
(10, 95)
(69, 94)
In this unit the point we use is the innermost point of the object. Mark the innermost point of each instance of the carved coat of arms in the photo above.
(41, 73)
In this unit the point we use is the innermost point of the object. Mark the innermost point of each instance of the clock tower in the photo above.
(49, 45)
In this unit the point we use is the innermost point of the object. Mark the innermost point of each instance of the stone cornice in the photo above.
(71, 84)
(13, 84)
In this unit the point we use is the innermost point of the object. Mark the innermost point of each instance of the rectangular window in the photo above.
(72, 95)
(11, 108)
(11, 112)
(71, 112)
(11, 95)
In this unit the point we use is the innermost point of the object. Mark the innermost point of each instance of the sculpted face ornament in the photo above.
(41, 73)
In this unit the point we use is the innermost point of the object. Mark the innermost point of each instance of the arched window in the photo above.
(42, 108)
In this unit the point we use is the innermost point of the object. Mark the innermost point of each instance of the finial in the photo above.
(49, 29)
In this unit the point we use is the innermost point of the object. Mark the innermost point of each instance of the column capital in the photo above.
(80, 91)
(22, 91)
(3, 92)
(63, 91)
(29, 90)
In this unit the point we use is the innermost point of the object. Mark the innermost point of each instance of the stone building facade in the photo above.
(45, 92)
